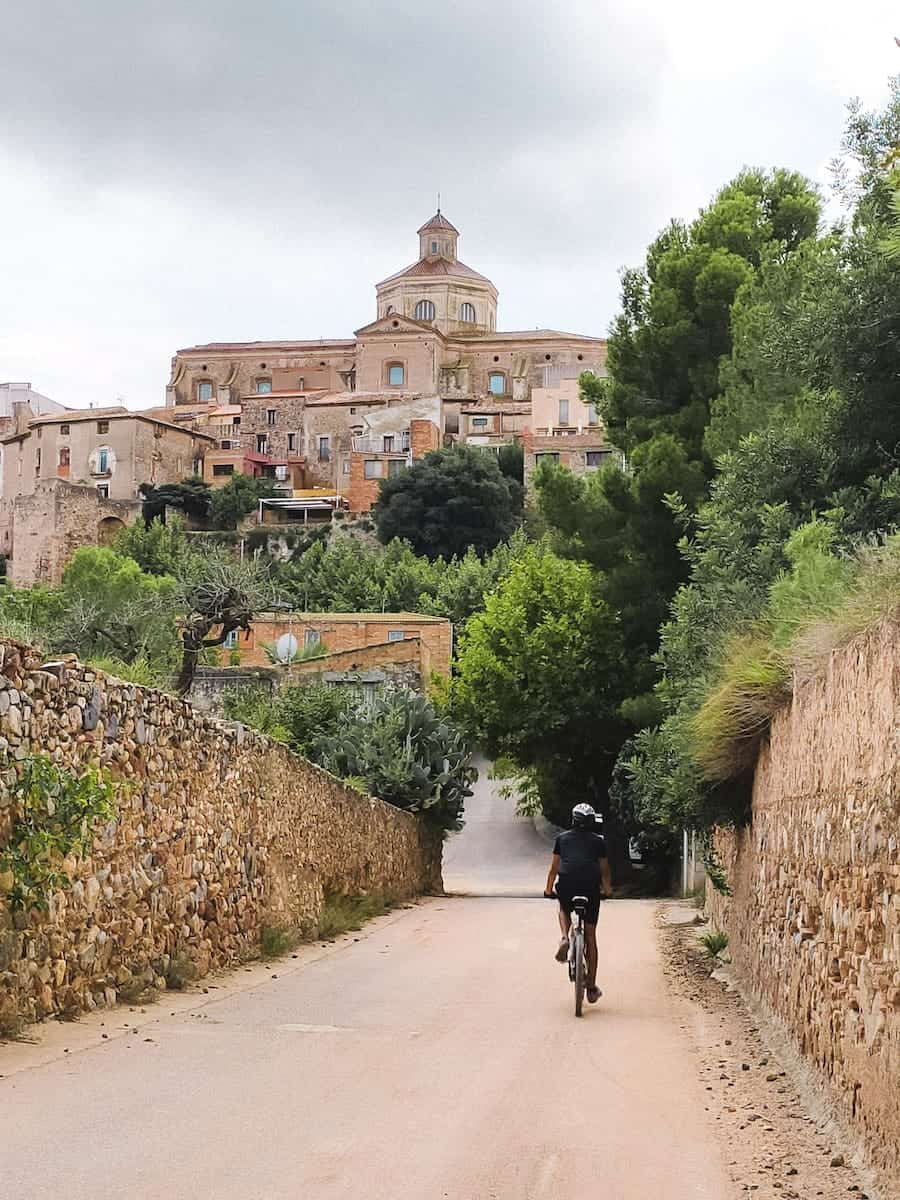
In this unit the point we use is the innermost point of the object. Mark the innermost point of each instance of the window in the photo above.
(220, 469)
(271, 414)
(204, 391)
(281, 473)
(103, 426)
(301, 384)
(424, 311)
(593, 418)
(546, 458)
(372, 468)
(396, 375)
(292, 441)
(37, 461)
(596, 458)
(395, 466)
(389, 310)
(103, 491)
(324, 449)
(102, 461)
(231, 640)
(311, 637)
(261, 444)
(467, 312)
(64, 456)
(388, 441)
(434, 247)
(225, 445)
(563, 412)
(346, 466)
(479, 422)
(396, 635)
(235, 421)
(404, 440)
(64, 429)
(497, 383)
(263, 387)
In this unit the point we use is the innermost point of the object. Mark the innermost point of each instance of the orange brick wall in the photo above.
(362, 493)
(423, 436)
(339, 635)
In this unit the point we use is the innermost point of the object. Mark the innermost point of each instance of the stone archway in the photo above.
(108, 529)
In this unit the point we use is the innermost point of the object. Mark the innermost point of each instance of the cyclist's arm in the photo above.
(605, 877)
(552, 874)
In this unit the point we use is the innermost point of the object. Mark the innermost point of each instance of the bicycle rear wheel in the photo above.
(579, 972)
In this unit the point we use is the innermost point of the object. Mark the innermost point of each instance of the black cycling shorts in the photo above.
(567, 891)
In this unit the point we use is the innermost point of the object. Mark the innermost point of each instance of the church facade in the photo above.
(302, 410)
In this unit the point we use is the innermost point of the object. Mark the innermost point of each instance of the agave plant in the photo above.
(407, 755)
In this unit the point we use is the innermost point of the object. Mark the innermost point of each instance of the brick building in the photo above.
(363, 635)
(434, 340)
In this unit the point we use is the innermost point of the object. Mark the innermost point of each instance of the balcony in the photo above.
(376, 445)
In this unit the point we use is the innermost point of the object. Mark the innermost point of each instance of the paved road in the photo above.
(435, 1058)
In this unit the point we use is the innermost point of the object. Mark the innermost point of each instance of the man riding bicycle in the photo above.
(580, 867)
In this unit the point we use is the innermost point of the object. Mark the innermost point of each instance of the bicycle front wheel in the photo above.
(579, 972)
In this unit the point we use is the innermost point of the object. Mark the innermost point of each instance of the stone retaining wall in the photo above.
(218, 833)
(814, 920)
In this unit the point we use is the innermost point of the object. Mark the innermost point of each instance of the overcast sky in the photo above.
(192, 171)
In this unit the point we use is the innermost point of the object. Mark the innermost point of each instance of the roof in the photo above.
(528, 334)
(483, 410)
(302, 344)
(373, 618)
(438, 221)
(114, 414)
(435, 268)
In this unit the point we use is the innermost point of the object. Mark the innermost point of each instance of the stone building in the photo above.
(565, 430)
(72, 478)
(434, 339)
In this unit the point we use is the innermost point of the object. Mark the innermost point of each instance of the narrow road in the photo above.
(435, 1057)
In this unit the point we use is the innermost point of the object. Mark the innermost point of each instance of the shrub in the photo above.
(714, 942)
(406, 754)
(342, 913)
(55, 812)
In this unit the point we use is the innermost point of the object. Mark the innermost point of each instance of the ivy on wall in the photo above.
(54, 815)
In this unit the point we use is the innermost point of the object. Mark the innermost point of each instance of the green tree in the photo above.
(237, 499)
(215, 595)
(540, 678)
(191, 496)
(110, 606)
(157, 548)
(665, 360)
(448, 501)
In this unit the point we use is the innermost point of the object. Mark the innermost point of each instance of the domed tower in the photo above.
(439, 289)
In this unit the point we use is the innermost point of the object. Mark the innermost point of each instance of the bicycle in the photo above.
(577, 960)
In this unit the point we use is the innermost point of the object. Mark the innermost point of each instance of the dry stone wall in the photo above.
(814, 919)
(218, 833)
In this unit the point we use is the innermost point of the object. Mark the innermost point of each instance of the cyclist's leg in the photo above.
(565, 922)
(590, 942)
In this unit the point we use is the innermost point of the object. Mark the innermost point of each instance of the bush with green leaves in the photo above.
(55, 812)
(406, 754)
(301, 715)
(448, 502)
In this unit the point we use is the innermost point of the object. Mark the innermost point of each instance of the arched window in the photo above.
(467, 312)
(424, 311)
(497, 383)
(389, 310)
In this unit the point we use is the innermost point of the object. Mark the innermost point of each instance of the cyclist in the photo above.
(580, 867)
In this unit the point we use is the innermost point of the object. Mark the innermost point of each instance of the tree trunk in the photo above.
(189, 658)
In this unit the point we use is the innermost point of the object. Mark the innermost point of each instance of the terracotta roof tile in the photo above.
(438, 221)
